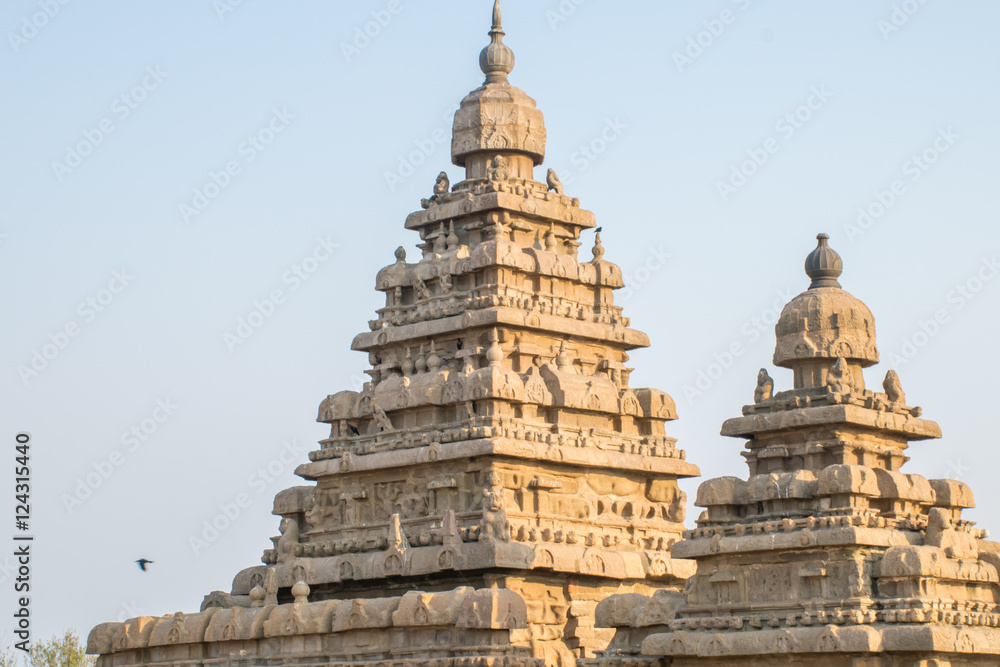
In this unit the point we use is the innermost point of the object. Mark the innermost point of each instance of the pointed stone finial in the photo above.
(257, 595)
(494, 355)
(433, 361)
(300, 591)
(440, 242)
(824, 265)
(407, 365)
(452, 236)
(563, 362)
(400, 255)
(598, 247)
(496, 60)
(421, 365)
(550, 238)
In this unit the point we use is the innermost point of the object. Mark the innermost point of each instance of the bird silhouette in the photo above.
(142, 562)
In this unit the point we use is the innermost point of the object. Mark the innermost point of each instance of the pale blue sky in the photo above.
(879, 97)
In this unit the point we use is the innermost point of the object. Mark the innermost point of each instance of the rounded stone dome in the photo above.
(495, 119)
(825, 321)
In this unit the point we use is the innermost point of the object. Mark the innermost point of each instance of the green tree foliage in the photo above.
(65, 651)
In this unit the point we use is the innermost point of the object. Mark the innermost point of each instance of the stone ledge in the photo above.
(826, 640)
(588, 457)
(460, 609)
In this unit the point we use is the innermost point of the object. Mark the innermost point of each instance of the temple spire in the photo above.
(496, 60)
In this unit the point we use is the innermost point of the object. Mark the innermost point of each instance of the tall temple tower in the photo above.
(498, 473)
(828, 554)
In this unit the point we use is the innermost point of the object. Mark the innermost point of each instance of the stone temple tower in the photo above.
(828, 554)
(497, 477)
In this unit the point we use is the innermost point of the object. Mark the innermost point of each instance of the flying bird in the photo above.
(142, 562)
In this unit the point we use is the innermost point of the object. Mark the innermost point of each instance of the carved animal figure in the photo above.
(765, 387)
(893, 388)
(443, 185)
(289, 540)
(552, 180)
(941, 533)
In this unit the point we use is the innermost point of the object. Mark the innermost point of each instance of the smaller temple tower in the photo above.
(828, 554)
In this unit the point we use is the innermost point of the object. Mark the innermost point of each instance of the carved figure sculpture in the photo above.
(893, 388)
(838, 380)
(421, 288)
(765, 387)
(498, 170)
(442, 186)
(289, 540)
(494, 526)
(552, 180)
(444, 282)
(381, 418)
